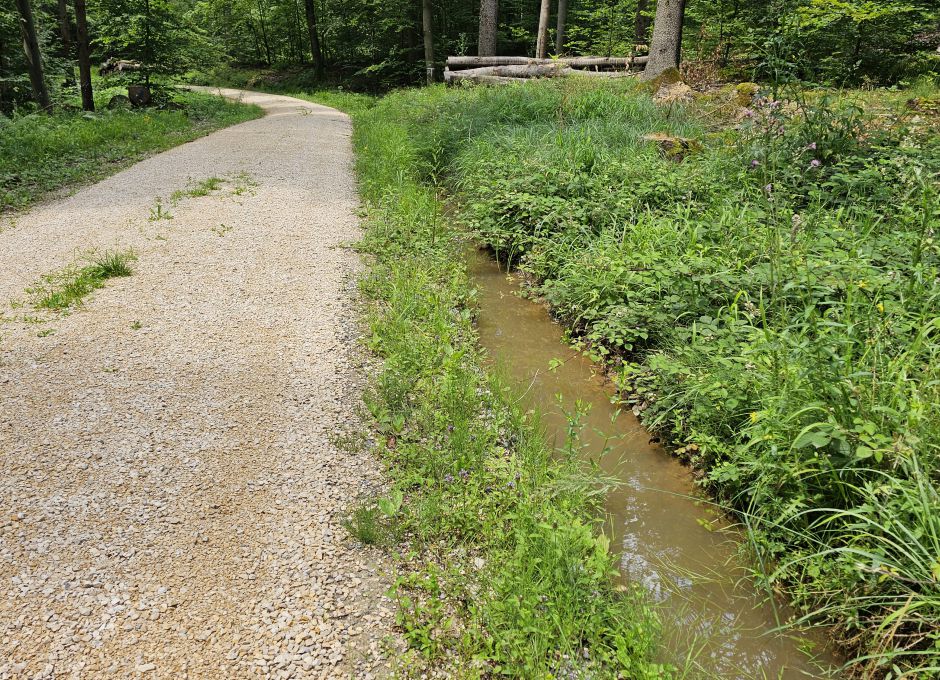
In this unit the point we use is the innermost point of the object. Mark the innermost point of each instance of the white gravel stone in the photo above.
(171, 497)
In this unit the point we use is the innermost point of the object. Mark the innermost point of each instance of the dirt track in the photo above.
(172, 483)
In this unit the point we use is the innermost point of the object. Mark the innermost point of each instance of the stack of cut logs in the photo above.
(518, 69)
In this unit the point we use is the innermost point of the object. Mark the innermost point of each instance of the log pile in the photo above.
(519, 69)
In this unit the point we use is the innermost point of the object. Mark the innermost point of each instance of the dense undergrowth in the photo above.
(769, 301)
(41, 153)
(505, 569)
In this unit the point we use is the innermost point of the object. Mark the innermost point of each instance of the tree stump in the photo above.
(139, 95)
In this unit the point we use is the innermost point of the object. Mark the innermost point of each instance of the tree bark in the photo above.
(560, 27)
(315, 52)
(33, 56)
(65, 31)
(667, 38)
(541, 42)
(642, 28)
(84, 56)
(426, 20)
(489, 18)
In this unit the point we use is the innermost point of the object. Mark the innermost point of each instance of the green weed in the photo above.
(158, 212)
(67, 289)
(201, 188)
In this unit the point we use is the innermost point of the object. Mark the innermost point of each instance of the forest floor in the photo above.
(173, 476)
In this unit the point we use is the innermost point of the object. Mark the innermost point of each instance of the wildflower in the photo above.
(747, 113)
(449, 479)
(755, 163)
(754, 416)
(768, 188)
(811, 146)
(463, 474)
(862, 283)
(511, 485)
(815, 163)
(881, 308)
(450, 428)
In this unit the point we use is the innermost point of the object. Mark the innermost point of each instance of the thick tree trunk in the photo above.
(312, 30)
(560, 26)
(489, 18)
(65, 30)
(641, 32)
(426, 19)
(84, 56)
(541, 42)
(33, 56)
(667, 38)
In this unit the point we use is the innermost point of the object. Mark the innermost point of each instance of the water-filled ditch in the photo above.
(671, 540)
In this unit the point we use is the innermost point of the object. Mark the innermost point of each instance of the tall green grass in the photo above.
(42, 153)
(768, 303)
(506, 570)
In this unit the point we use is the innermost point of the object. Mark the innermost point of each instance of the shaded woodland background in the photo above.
(371, 45)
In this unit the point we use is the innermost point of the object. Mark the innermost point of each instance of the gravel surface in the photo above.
(172, 474)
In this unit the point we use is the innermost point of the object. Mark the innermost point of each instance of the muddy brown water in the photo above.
(665, 532)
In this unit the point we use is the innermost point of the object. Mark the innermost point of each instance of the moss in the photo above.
(744, 93)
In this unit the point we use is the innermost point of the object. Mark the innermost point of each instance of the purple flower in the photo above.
(511, 485)
(755, 163)
(449, 479)
(811, 146)
(769, 188)
(463, 474)
(814, 163)
(748, 113)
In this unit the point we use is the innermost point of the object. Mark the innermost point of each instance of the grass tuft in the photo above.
(67, 289)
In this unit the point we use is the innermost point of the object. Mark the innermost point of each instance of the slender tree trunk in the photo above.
(560, 26)
(641, 32)
(667, 38)
(33, 56)
(65, 31)
(489, 13)
(315, 51)
(426, 20)
(264, 34)
(84, 56)
(541, 42)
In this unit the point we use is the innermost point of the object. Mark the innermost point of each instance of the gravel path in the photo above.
(172, 474)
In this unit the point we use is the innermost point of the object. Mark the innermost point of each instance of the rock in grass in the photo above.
(119, 102)
(673, 148)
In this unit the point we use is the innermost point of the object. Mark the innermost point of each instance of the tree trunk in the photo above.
(315, 51)
(667, 38)
(642, 23)
(33, 57)
(541, 42)
(560, 26)
(489, 14)
(84, 56)
(426, 20)
(65, 31)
